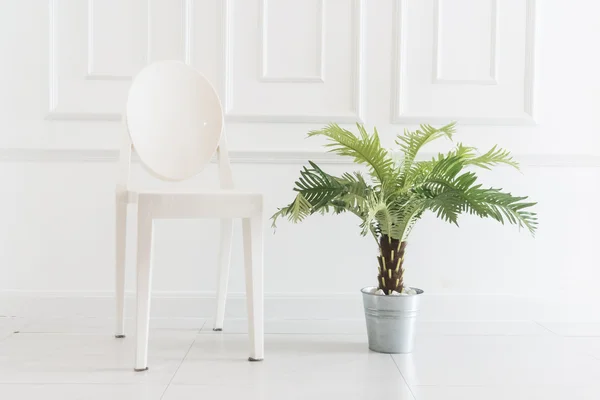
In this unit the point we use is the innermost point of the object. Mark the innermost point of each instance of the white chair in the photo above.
(174, 119)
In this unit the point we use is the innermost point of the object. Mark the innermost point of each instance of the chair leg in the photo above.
(120, 246)
(224, 262)
(253, 263)
(144, 283)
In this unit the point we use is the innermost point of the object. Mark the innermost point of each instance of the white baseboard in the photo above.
(435, 307)
(178, 305)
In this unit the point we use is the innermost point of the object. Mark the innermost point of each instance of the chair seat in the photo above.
(197, 203)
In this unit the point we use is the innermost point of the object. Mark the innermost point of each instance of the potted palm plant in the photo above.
(389, 202)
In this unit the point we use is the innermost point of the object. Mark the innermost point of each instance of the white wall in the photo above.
(520, 73)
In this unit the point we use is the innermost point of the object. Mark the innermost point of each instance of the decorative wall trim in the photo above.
(149, 39)
(348, 306)
(227, 44)
(264, 48)
(273, 157)
(398, 61)
(530, 57)
(91, 73)
(415, 119)
(96, 76)
(182, 304)
(53, 114)
(323, 119)
(182, 294)
(358, 50)
(437, 33)
(399, 77)
(188, 31)
(77, 116)
(53, 52)
(357, 113)
(188, 37)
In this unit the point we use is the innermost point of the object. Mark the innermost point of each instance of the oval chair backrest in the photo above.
(174, 119)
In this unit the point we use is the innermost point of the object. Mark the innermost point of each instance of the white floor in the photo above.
(77, 358)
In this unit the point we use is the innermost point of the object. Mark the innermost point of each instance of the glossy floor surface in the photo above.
(77, 358)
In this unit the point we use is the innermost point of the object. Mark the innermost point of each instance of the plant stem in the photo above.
(391, 260)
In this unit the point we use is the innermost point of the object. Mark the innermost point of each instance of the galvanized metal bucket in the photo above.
(391, 321)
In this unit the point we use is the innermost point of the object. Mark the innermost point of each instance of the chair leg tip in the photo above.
(218, 329)
(252, 359)
(119, 336)
(140, 369)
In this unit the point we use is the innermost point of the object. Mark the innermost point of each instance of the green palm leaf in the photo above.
(411, 143)
(493, 157)
(365, 149)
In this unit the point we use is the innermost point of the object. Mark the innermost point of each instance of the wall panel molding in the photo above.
(399, 96)
(530, 57)
(188, 40)
(52, 54)
(264, 48)
(53, 81)
(437, 33)
(78, 116)
(91, 74)
(299, 157)
(357, 40)
(188, 31)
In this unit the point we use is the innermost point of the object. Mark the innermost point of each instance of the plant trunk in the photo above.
(391, 260)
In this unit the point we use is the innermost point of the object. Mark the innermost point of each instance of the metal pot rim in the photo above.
(365, 291)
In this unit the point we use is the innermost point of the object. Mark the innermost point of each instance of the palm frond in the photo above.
(319, 192)
(493, 157)
(411, 212)
(317, 187)
(296, 212)
(383, 218)
(501, 206)
(450, 196)
(365, 149)
(354, 183)
(411, 143)
(446, 206)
